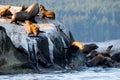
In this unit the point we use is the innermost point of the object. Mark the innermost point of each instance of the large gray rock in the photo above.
(25, 53)
(11, 60)
(43, 51)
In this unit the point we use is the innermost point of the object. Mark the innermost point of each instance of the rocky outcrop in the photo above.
(27, 53)
(11, 60)
(21, 52)
(33, 53)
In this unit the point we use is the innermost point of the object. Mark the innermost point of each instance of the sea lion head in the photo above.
(42, 7)
(109, 48)
(78, 44)
(89, 47)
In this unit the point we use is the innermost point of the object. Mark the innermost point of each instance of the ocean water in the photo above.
(86, 74)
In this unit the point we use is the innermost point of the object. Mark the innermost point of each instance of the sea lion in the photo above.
(46, 13)
(33, 10)
(29, 13)
(107, 52)
(92, 54)
(20, 16)
(4, 11)
(33, 28)
(71, 53)
(75, 46)
(78, 44)
(95, 61)
(100, 58)
(89, 47)
(116, 57)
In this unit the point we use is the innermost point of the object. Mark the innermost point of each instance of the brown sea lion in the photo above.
(71, 51)
(29, 13)
(33, 28)
(78, 44)
(107, 52)
(116, 57)
(92, 54)
(46, 13)
(95, 61)
(89, 47)
(20, 16)
(33, 10)
(75, 46)
(100, 58)
(4, 11)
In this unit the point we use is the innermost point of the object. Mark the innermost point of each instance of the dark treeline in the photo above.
(89, 20)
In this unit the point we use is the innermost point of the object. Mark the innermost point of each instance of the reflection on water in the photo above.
(87, 74)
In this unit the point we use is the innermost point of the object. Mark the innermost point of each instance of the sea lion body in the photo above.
(78, 44)
(89, 47)
(33, 10)
(92, 54)
(49, 15)
(107, 52)
(29, 13)
(95, 61)
(33, 28)
(20, 16)
(4, 10)
(46, 13)
(116, 57)
(100, 58)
